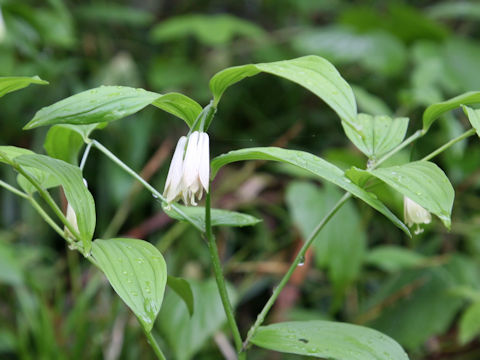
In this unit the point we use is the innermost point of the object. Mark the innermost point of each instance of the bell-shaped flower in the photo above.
(189, 170)
(72, 218)
(415, 214)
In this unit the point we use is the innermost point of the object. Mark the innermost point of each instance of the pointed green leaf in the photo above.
(109, 103)
(328, 340)
(380, 134)
(183, 289)
(77, 194)
(423, 182)
(474, 117)
(312, 72)
(137, 272)
(434, 111)
(311, 163)
(9, 84)
(219, 217)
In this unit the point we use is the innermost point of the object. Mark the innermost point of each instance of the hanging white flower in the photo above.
(415, 214)
(189, 170)
(72, 218)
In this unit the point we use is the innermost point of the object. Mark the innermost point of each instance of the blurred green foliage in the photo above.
(400, 56)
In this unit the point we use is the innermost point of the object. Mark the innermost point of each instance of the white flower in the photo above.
(72, 218)
(189, 170)
(415, 214)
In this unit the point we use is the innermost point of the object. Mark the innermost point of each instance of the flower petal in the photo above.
(204, 166)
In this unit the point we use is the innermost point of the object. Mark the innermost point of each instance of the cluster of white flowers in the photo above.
(415, 214)
(189, 171)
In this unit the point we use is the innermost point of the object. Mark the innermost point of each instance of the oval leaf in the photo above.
(9, 84)
(311, 163)
(77, 194)
(137, 272)
(380, 134)
(423, 182)
(312, 72)
(434, 111)
(220, 217)
(329, 340)
(109, 103)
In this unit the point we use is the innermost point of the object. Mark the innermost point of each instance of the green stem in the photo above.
(299, 258)
(149, 187)
(417, 134)
(47, 218)
(85, 156)
(13, 189)
(217, 269)
(153, 343)
(50, 202)
(450, 143)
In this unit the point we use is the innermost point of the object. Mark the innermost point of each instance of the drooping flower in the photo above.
(415, 214)
(72, 218)
(189, 170)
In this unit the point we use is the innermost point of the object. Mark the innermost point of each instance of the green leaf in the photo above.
(474, 117)
(434, 111)
(187, 334)
(380, 134)
(329, 340)
(470, 324)
(338, 248)
(211, 30)
(8, 154)
(311, 163)
(109, 103)
(183, 289)
(179, 105)
(219, 217)
(394, 258)
(453, 10)
(77, 194)
(312, 72)
(423, 182)
(63, 143)
(9, 84)
(137, 272)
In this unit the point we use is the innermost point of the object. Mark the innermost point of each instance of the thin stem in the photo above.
(49, 200)
(153, 343)
(85, 156)
(417, 134)
(448, 144)
(217, 269)
(149, 187)
(47, 218)
(13, 189)
(300, 256)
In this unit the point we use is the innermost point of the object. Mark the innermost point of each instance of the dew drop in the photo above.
(301, 262)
